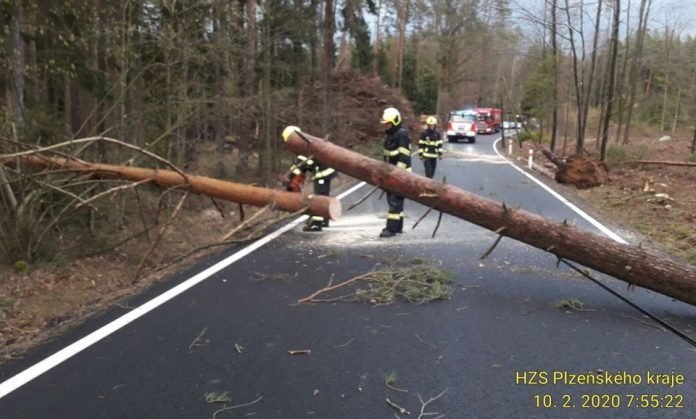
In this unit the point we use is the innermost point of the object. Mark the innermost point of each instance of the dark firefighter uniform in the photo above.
(430, 148)
(397, 152)
(321, 176)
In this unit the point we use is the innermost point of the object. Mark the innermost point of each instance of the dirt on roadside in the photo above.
(658, 202)
(39, 301)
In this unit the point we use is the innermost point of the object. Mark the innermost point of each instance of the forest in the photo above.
(209, 84)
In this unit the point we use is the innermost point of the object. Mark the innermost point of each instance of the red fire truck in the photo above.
(489, 120)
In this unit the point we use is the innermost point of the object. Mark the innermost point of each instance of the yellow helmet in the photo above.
(289, 130)
(391, 116)
(431, 121)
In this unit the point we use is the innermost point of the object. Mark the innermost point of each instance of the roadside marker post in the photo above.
(531, 158)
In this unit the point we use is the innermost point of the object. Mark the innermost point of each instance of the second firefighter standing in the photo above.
(321, 176)
(430, 147)
(397, 152)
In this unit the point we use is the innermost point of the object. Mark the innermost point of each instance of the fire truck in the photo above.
(461, 125)
(489, 120)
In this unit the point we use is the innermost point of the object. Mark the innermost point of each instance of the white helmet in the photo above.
(391, 116)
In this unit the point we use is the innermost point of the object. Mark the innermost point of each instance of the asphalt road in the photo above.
(500, 348)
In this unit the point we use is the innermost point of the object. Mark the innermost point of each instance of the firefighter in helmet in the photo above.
(430, 146)
(321, 177)
(397, 152)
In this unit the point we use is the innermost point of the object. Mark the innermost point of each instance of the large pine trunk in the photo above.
(244, 194)
(632, 264)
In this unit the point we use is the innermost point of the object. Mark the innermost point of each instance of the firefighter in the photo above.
(430, 147)
(397, 152)
(321, 176)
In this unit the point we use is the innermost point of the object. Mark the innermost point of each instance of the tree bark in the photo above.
(17, 63)
(554, 87)
(328, 62)
(555, 160)
(668, 45)
(629, 263)
(606, 118)
(637, 57)
(664, 163)
(578, 80)
(402, 17)
(676, 112)
(593, 67)
(244, 194)
(622, 78)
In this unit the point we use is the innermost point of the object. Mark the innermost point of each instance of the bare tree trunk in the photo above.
(612, 78)
(250, 50)
(567, 123)
(314, 45)
(622, 77)
(17, 63)
(67, 107)
(265, 155)
(629, 263)
(637, 56)
(554, 88)
(378, 39)
(219, 82)
(593, 66)
(579, 96)
(401, 46)
(668, 45)
(676, 112)
(660, 162)
(329, 19)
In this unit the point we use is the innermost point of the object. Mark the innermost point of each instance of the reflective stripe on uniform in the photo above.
(394, 216)
(430, 155)
(305, 160)
(402, 165)
(403, 150)
(427, 142)
(296, 171)
(391, 153)
(317, 218)
(324, 173)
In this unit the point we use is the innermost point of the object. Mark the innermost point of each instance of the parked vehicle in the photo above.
(461, 125)
(489, 120)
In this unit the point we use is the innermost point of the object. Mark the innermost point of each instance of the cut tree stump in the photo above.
(324, 206)
(633, 264)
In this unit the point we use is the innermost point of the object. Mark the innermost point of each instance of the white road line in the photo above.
(69, 351)
(561, 198)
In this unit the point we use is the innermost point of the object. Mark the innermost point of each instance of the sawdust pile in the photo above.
(356, 104)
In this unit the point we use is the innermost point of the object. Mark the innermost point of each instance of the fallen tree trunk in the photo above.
(665, 163)
(632, 264)
(560, 163)
(244, 194)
